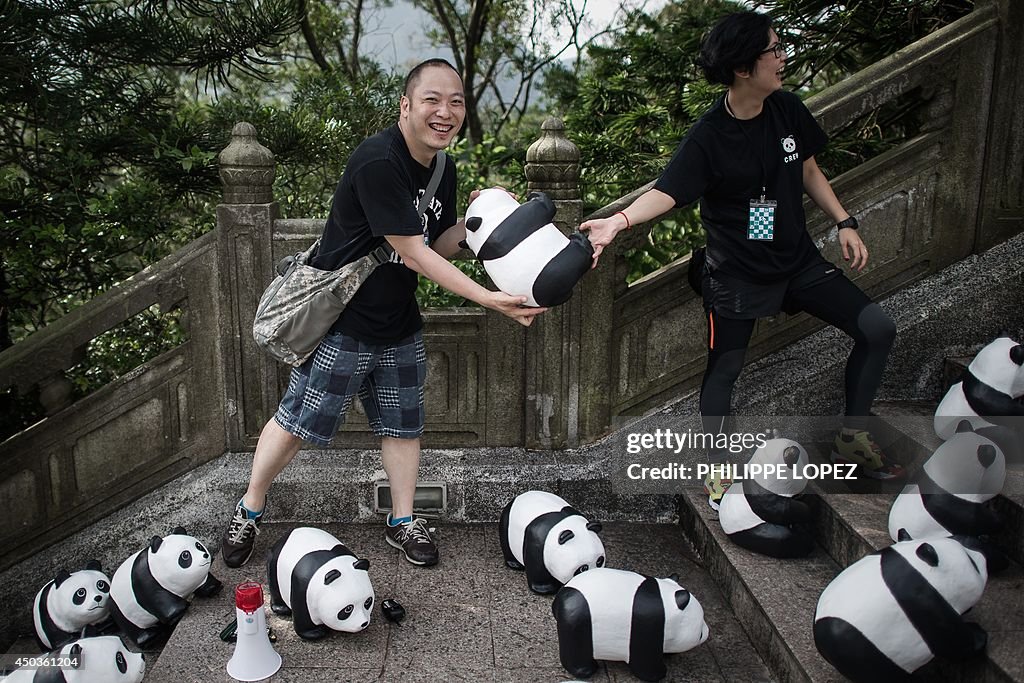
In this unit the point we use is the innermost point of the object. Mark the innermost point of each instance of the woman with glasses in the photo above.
(749, 160)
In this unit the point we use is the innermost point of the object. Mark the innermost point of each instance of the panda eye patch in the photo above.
(600, 561)
(345, 613)
(79, 597)
(185, 559)
(103, 586)
(368, 604)
(122, 665)
(581, 569)
(201, 549)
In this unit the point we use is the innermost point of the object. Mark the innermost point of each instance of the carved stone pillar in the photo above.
(245, 223)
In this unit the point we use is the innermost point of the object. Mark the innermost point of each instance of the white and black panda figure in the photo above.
(319, 582)
(991, 394)
(541, 533)
(69, 603)
(760, 513)
(101, 659)
(522, 250)
(951, 492)
(889, 613)
(151, 590)
(621, 616)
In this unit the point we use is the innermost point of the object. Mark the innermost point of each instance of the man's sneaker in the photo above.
(414, 540)
(716, 486)
(238, 542)
(858, 448)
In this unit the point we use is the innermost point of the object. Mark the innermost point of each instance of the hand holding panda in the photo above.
(65, 606)
(522, 251)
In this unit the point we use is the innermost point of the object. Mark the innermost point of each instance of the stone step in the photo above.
(468, 619)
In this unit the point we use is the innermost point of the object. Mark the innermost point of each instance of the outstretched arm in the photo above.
(647, 206)
(818, 188)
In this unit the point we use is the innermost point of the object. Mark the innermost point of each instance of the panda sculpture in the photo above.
(889, 613)
(522, 251)
(319, 582)
(991, 395)
(69, 603)
(950, 493)
(541, 533)
(151, 590)
(616, 615)
(760, 513)
(101, 659)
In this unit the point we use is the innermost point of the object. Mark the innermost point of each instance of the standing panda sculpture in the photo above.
(541, 533)
(622, 616)
(760, 513)
(319, 582)
(522, 251)
(951, 492)
(991, 394)
(151, 590)
(889, 613)
(102, 659)
(70, 602)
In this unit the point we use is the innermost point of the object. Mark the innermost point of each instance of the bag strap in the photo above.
(382, 254)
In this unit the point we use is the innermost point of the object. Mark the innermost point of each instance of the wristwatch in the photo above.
(850, 222)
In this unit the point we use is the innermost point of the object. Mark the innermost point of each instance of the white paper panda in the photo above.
(102, 659)
(522, 251)
(70, 602)
(542, 533)
(151, 590)
(319, 582)
(760, 514)
(991, 392)
(889, 613)
(621, 616)
(950, 493)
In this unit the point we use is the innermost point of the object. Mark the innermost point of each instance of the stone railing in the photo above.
(614, 349)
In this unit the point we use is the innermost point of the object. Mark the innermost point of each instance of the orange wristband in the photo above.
(628, 226)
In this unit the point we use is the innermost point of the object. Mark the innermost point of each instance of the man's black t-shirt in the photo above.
(377, 196)
(720, 162)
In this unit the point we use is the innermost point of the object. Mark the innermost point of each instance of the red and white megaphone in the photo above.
(254, 658)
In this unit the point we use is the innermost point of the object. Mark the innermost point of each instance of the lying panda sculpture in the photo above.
(889, 613)
(991, 395)
(542, 533)
(760, 513)
(622, 616)
(151, 590)
(950, 493)
(522, 251)
(102, 659)
(319, 582)
(70, 602)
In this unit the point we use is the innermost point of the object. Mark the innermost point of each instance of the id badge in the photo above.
(761, 219)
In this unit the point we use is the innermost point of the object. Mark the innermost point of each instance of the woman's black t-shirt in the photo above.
(377, 196)
(720, 163)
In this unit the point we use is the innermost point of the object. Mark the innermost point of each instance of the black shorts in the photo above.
(731, 297)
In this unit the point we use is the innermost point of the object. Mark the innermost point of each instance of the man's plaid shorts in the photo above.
(388, 378)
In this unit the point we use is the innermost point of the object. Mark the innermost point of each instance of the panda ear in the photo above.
(964, 426)
(154, 543)
(903, 535)
(682, 598)
(61, 577)
(363, 564)
(76, 653)
(473, 224)
(594, 526)
(927, 553)
(179, 531)
(791, 455)
(565, 536)
(94, 565)
(674, 577)
(1017, 354)
(331, 576)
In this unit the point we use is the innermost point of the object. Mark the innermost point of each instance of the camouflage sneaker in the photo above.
(716, 486)
(414, 540)
(239, 541)
(858, 448)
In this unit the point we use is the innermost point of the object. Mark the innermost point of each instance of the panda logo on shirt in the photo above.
(789, 147)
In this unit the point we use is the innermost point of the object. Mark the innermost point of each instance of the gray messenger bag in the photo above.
(300, 305)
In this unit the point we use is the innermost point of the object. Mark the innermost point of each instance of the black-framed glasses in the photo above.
(779, 49)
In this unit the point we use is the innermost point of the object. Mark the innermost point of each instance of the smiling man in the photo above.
(375, 348)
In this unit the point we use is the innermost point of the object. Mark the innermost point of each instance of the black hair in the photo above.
(414, 74)
(735, 43)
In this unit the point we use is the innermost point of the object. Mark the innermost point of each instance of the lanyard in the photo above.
(764, 144)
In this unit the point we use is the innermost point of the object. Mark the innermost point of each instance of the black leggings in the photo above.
(838, 302)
